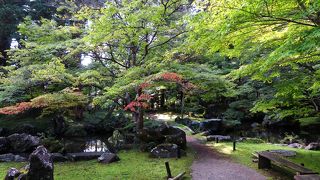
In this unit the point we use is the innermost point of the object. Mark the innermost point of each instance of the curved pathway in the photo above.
(211, 165)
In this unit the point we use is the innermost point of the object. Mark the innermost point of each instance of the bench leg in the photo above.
(264, 163)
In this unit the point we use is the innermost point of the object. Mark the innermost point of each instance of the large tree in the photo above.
(276, 42)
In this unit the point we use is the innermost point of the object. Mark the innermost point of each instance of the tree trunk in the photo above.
(140, 119)
(138, 116)
(182, 104)
(59, 125)
(4, 46)
(162, 99)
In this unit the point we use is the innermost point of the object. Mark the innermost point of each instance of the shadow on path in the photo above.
(211, 165)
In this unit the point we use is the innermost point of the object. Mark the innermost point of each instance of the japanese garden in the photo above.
(159, 89)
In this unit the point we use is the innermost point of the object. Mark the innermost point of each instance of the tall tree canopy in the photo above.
(246, 58)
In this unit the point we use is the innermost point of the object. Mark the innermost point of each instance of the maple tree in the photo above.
(49, 103)
(140, 103)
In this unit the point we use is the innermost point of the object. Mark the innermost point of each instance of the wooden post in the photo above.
(168, 170)
(264, 162)
(234, 145)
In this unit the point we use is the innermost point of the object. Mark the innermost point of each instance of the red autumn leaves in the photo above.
(142, 100)
(18, 108)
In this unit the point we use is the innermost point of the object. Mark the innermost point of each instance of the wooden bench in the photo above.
(307, 177)
(266, 157)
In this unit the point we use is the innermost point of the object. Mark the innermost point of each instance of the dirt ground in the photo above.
(210, 165)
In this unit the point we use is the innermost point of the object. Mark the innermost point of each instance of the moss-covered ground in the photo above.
(133, 165)
(243, 154)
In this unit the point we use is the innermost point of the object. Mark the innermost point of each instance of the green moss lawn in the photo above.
(133, 165)
(243, 154)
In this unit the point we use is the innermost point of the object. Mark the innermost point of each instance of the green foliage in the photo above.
(309, 121)
(56, 102)
(290, 138)
(276, 43)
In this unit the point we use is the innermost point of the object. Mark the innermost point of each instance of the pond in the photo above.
(92, 144)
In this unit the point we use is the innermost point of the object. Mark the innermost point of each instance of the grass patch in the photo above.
(244, 151)
(133, 165)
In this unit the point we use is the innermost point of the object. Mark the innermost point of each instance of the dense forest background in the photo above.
(244, 61)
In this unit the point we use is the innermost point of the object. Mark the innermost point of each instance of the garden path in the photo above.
(211, 165)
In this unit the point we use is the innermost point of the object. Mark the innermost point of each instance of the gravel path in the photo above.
(210, 165)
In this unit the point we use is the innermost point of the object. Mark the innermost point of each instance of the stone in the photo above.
(23, 143)
(166, 151)
(58, 157)
(163, 134)
(18, 158)
(41, 165)
(3, 131)
(219, 137)
(4, 145)
(117, 140)
(148, 135)
(83, 156)
(313, 146)
(193, 125)
(279, 144)
(107, 158)
(284, 153)
(211, 125)
(12, 173)
(11, 158)
(296, 145)
(22, 177)
(175, 136)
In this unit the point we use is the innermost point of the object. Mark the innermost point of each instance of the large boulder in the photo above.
(41, 165)
(4, 145)
(193, 125)
(83, 156)
(58, 157)
(296, 145)
(213, 125)
(219, 137)
(175, 136)
(11, 158)
(313, 146)
(23, 143)
(148, 135)
(12, 174)
(163, 134)
(107, 158)
(166, 151)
